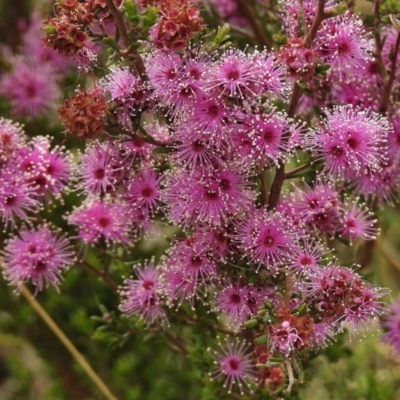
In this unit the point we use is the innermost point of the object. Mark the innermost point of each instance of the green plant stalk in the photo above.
(67, 343)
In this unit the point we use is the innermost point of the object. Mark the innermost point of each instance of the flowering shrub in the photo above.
(259, 159)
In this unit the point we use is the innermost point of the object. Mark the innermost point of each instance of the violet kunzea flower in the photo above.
(284, 338)
(350, 141)
(235, 75)
(99, 169)
(163, 70)
(193, 260)
(180, 287)
(291, 14)
(38, 256)
(270, 135)
(141, 296)
(207, 196)
(126, 91)
(342, 296)
(144, 190)
(12, 137)
(46, 169)
(235, 365)
(239, 302)
(17, 197)
(317, 207)
(308, 257)
(382, 186)
(267, 238)
(343, 42)
(31, 88)
(96, 219)
(391, 325)
(358, 223)
(195, 149)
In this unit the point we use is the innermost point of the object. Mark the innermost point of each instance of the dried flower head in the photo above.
(85, 114)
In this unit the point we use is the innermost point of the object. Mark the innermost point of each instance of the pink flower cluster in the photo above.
(189, 139)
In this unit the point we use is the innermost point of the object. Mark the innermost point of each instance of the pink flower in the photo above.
(12, 137)
(144, 190)
(391, 325)
(267, 238)
(127, 92)
(180, 287)
(97, 219)
(343, 43)
(192, 260)
(38, 256)
(206, 196)
(239, 302)
(317, 207)
(100, 167)
(141, 296)
(283, 338)
(349, 141)
(235, 364)
(359, 223)
(343, 296)
(270, 136)
(17, 198)
(31, 88)
(46, 169)
(163, 69)
(235, 75)
(308, 258)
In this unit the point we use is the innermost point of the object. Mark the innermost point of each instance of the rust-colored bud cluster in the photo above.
(272, 377)
(179, 21)
(67, 32)
(85, 114)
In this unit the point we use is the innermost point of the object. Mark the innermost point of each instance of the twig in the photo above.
(290, 375)
(120, 22)
(378, 42)
(101, 274)
(276, 186)
(387, 90)
(247, 11)
(150, 139)
(389, 258)
(241, 31)
(277, 183)
(290, 280)
(302, 17)
(294, 171)
(67, 343)
(177, 342)
(319, 17)
(264, 188)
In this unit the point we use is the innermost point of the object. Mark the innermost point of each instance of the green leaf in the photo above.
(150, 18)
(131, 12)
(222, 35)
(111, 43)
